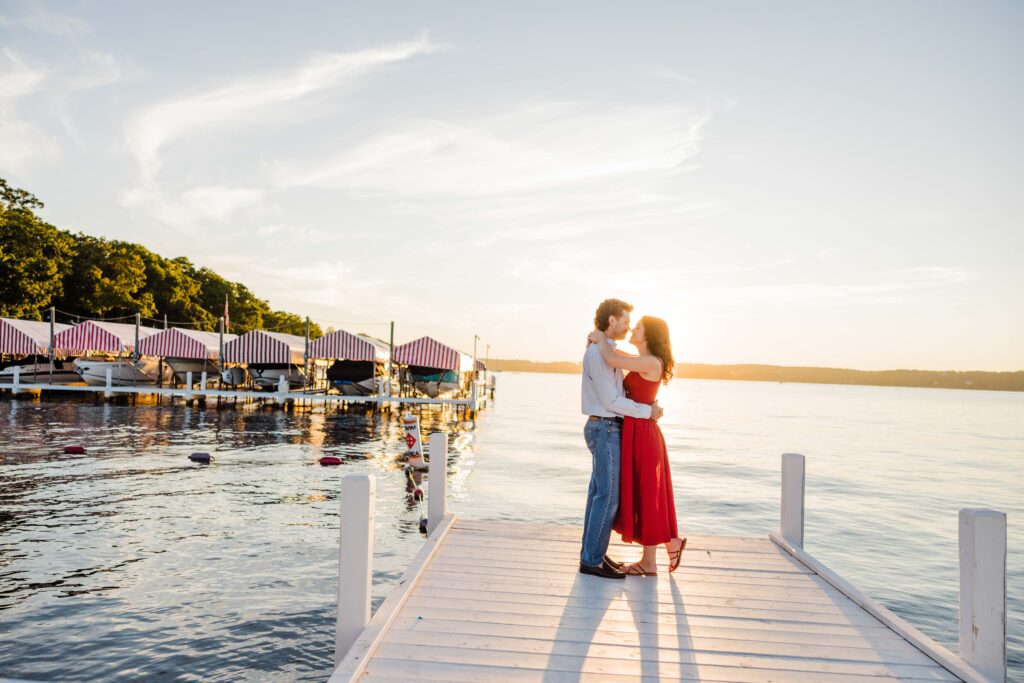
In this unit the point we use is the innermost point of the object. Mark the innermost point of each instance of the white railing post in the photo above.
(16, 385)
(202, 381)
(188, 385)
(983, 591)
(437, 500)
(282, 387)
(472, 395)
(791, 520)
(107, 393)
(355, 562)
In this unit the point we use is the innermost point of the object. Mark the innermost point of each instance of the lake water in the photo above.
(129, 562)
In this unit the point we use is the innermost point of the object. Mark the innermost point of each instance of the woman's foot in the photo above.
(638, 569)
(675, 552)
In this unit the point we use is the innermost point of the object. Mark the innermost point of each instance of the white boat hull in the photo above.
(182, 366)
(123, 373)
(268, 378)
(435, 389)
(41, 374)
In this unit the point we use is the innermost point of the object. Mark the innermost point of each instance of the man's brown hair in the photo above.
(608, 308)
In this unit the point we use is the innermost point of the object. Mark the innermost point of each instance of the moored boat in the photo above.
(355, 377)
(267, 375)
(123, 372)
(40, 371)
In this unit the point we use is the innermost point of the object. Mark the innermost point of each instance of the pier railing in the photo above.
(982, 540)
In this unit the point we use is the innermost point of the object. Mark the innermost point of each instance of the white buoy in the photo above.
(413, 443)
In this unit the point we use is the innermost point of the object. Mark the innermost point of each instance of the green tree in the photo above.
(32, 254)
(106, 279)
(290, 323)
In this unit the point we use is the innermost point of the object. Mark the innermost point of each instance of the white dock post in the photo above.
(437, 499)
(355, 562)
(472, 395)
(202, 381)
(983, 591)
(107, 393)
(282, 388)
(791, 522)
(16, 383)
(188, 385)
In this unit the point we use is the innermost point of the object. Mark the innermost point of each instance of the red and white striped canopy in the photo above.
(431, 353)
(101, 337)
(176, 342)
(345, 346)
(27, 337)
(265, 347)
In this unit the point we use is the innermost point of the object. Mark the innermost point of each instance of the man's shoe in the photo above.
(604, 570)
(615, 564)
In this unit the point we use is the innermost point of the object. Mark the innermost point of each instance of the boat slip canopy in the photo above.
(100, 336)
(430, 353)
(27, 337)
(342, 345)
(183, 343)
(265, 347)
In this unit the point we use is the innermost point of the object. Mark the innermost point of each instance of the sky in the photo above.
(798, 183)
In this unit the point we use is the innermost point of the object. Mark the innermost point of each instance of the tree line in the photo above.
(42, 266)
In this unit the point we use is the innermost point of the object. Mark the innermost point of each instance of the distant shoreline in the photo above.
(930, 379)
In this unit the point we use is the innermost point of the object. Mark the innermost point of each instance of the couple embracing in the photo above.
(631, 485)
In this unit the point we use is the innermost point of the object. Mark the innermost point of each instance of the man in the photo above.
(604, 403)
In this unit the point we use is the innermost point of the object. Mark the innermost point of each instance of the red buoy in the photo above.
(74, 450)
(330, 460)
(418, 493)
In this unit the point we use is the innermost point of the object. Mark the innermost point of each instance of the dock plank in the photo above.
(502, 601)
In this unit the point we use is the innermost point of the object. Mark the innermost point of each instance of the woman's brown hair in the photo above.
(659, 345)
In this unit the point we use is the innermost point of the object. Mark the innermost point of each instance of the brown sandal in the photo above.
(636, 570)
(676, 556)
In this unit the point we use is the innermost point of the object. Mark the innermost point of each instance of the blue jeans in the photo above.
(604, 439)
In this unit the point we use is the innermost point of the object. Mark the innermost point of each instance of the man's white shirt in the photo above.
(603, 394)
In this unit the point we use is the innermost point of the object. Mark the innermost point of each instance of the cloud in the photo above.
(544, 171)
(22, 144)
(543, 146)
(41, 20)
(160, 124)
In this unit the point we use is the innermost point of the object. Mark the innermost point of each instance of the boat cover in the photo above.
(430, 353)
(100, 336)
(265, 347)
(27, 337)
(176, 342)
(343, 345)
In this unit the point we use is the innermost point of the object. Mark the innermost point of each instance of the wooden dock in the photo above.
(501, 601)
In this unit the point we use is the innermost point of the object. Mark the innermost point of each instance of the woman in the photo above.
(647, 511)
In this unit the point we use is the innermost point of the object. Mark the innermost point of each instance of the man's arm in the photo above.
(604, 383)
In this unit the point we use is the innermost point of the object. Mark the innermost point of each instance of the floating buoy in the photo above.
(418, 493)
(423, 525)
(74, 450)
(408, 469)
(200, 457)
(330, 460)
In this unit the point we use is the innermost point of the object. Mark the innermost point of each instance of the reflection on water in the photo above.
(130, 562)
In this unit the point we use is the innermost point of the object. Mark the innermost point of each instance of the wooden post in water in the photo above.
(355, 564)
(791, 522)
(983, 591)
(437, 499)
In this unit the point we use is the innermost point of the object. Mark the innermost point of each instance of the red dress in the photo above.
(647, 508)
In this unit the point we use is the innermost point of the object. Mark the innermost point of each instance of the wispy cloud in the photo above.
(242, 100)
(23, 144)
(549, 170)
(42, 20)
